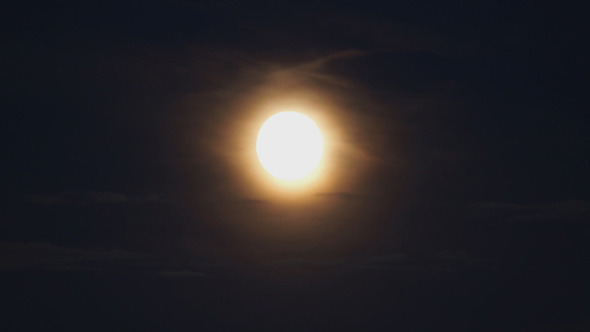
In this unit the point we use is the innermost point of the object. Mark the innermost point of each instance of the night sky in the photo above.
(454, 192)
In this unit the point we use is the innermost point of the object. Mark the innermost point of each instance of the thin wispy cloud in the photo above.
(48, 256)
(570, 210)
(90, 198)
(338, 195)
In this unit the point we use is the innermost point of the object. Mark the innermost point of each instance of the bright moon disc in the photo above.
(289, 145)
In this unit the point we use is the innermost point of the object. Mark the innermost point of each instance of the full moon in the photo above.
(289, 145)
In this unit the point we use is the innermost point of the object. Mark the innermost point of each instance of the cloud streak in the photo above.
(90, 198)
(47, 256)
(394, 261)
(570, 210)
(337, 195)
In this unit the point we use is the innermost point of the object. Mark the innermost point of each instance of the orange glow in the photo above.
(228, 136)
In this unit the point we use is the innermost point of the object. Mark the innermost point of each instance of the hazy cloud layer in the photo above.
(90, 198)
(32, 256)
(47, 256)
(337, 195)
(437, 261)
(570, 210)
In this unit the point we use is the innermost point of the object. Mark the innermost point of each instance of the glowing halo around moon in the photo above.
(289, 146)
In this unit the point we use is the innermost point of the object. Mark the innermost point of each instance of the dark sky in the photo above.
(455, 193)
